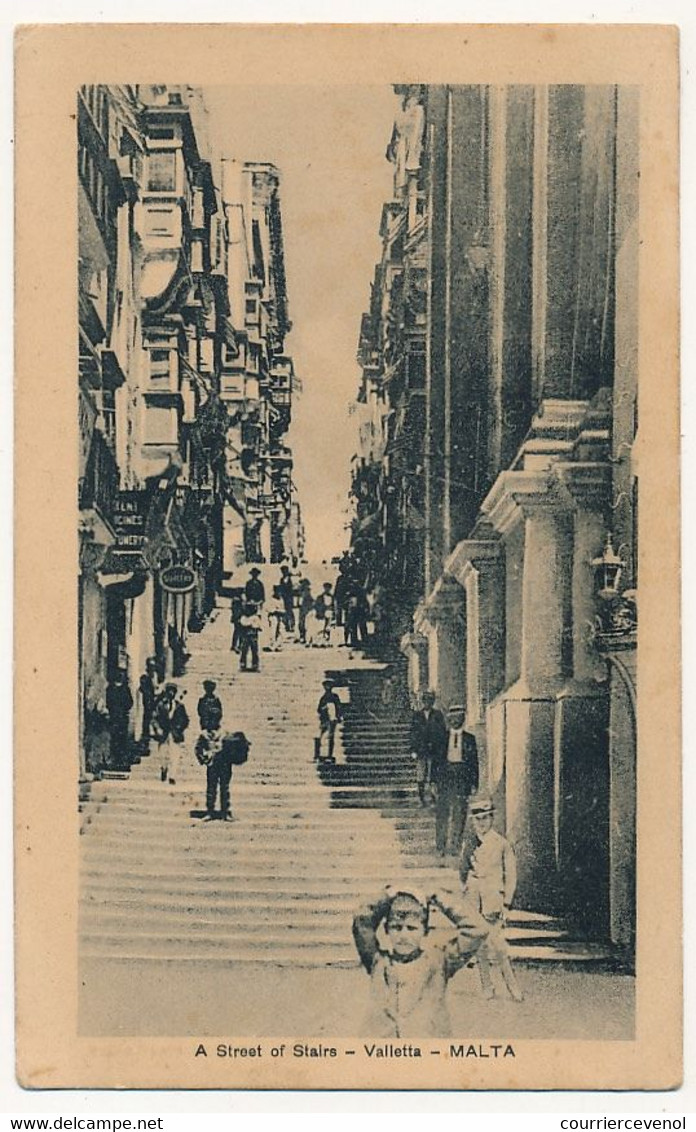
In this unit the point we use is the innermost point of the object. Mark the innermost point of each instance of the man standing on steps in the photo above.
(219, 753)
(177, 735)
(250, 623)
(329, 711)
(149, 688)
(254, 591)
(119, 703)
(456, 777)
(162, 728)
(286, 593)
(209, 708)
(428, 743)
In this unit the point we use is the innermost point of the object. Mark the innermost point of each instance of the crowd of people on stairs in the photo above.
(446, 775)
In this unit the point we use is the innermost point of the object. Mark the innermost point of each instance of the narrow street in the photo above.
(189, 927)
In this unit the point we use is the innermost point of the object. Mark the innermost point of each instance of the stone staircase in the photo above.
(310, 841)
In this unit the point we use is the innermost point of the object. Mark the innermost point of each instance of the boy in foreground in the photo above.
(409, 976)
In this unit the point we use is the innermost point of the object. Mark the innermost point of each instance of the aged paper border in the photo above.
(52, 61)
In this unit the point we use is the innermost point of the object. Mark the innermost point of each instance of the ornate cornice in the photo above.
(520, 494)
(587, 486)
(472, 552)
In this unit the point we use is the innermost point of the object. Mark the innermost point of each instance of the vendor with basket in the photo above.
(219, 752)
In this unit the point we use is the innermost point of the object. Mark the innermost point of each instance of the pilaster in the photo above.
(477, 565)
(446, 617)
(521, 719)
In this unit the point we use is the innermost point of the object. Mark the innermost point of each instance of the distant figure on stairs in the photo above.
(428, 744)
(276, 617)
(324, 613)
(356, 614)
(286, 593)
(254, 590)
(179, 727)
(119, 703)
(149, 690)
(489, 876)
(219, 753)
(409, 978)
(236, 610)
(329, 710)
(305, 607)
(162, 728)
(250, 624)
(456, 777)
(209, 708)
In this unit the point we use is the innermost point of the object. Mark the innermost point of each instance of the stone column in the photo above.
(445, 613)
(477, 565)
(581, 751)
(587, 487)
(414, 646)
(523, 716)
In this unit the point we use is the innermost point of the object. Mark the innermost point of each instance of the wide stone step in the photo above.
(129, 843)
(268, 877)
(158, 943)
(297, 958)
(330, 924)
(319, 817)
(224, 905)
(248, 862)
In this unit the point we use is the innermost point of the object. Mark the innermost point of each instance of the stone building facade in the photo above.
(257, 376)
(527, 612)
(163, 320)
(388, 474)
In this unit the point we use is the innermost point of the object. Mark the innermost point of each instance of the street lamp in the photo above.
(608, 568)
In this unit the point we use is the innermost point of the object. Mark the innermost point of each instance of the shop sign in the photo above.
(177, 579)
(129, 517)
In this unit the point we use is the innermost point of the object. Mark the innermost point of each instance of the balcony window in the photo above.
(109, 416)
(160, 222)
(198, 210)
(161, 169)
(196, 256)
(159, 368)
(160, 425)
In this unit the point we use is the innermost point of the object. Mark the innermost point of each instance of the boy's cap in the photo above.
(406, 906)
(327, 683)
(209, 685)
(170, 688)
(255, 572)
(482, 805)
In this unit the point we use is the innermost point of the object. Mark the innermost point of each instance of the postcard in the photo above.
(347, 438)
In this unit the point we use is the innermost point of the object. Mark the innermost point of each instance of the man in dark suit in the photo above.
(254, 591)
(428, 743)
(286, 593)
(456, 778)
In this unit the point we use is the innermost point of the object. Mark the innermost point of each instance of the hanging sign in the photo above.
(129, 517)
(177, 579)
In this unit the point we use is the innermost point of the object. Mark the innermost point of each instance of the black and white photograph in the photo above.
(359, 468)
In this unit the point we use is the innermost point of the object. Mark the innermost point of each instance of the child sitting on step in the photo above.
(489, 876)
(409, 976)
